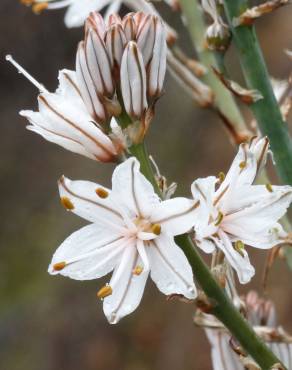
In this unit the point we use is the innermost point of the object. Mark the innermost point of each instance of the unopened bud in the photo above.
(146, 37)
(157, 66)
(116, 41)
(130, 27)
(98, 63)
(88, 90)
(133, 81)
(218, 36)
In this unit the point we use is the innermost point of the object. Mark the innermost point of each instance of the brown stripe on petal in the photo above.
(184, 213)
(171, 267)
(133, 189)
(101, 146)
(62, 183)
(69, 79)
(220, 195)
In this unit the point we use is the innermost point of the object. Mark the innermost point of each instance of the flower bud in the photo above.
(98, 63)
(146, 37)
(130, 27)
(157, 66)
(87, 88)
(95, 21)
(133, 81)
(218, 36)
(115, 40)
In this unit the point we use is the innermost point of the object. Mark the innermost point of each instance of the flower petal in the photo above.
(133, 190)
(88, 253)
(245, 271)
(176, 216)
(79, 11)
(85, 202)
(260, 216)
(206, 245)
(170, 269)
(127, 287)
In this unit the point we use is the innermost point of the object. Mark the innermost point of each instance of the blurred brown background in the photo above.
(53, 323)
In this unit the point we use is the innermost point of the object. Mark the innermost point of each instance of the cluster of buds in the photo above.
(261, 314)
(121, 66)
(107, 104)
(217, 34)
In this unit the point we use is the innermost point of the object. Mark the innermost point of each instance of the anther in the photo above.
(38, 8)
(239, 247)
(219, 219)
(27, 2)
(156, 229)
(242, 165)
(269, 188)
(66, 202)
(102, 193)
(138, 270)
(59, 266)
(105, 291)
(221, 176)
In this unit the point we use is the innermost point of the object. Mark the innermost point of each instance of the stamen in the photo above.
(219, 219)
(39, 8)
(138, 270)
(269, 188)
(221, 176)
(22, 71)
(105, 291)
(59, 266)
(66, 202)
(102, 193)
(239, 246)
(27, 2)
(156, 229)
(242, 164)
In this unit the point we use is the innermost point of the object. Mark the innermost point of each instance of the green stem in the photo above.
(223, 99)
(222, 307)
(266, 110)
(139, 151)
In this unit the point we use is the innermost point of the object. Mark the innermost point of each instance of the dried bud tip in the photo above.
(66, 202)
(105, 291)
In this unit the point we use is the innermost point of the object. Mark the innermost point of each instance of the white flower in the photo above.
(261, 315)
(64, 119)
(239, 213)
(79, 10)
(132, 233)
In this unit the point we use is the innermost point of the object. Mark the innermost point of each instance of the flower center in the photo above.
(146, 226)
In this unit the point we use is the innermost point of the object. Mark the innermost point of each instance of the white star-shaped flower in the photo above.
(239, 213)
(64, 120)
(78, 10)
(132, 233)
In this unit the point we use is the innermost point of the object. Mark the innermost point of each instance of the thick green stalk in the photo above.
(224, 101)
(221, 306)
(266, 110)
